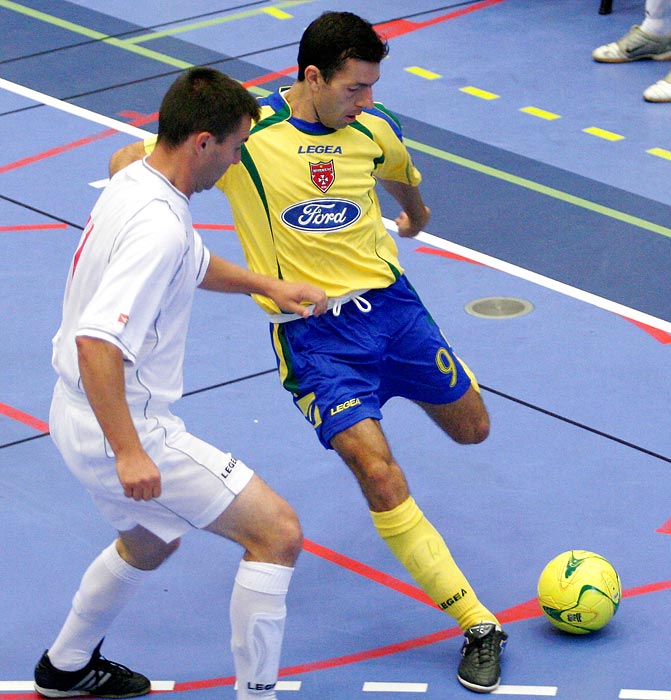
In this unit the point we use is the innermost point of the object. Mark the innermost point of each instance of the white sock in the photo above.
(657, 17)
(106, 587)
(258, 613)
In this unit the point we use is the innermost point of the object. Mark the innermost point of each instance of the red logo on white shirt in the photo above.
(123, 318)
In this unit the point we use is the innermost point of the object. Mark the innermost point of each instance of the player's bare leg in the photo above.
(466, 420)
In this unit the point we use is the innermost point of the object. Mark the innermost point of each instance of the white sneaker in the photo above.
(634, 46)
(660, 91)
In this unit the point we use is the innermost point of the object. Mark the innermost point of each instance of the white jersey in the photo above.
(132, 282)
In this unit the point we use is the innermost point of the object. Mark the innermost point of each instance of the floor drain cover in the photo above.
(499, 307)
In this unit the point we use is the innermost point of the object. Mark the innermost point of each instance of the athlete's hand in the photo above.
(139, 476)
(300, 298)
(407, 227)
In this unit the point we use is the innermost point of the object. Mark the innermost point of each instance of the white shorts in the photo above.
(198, 481)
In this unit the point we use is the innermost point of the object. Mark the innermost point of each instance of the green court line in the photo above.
(126, 45)
(541, 189)
(93, 34)
(212, 22)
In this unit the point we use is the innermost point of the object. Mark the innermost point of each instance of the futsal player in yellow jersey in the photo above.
(305, 208)
(305, 205)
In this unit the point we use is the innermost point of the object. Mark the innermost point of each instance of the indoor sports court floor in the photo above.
(548, 177)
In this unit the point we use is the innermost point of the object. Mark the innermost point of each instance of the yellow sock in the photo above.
(423, 552)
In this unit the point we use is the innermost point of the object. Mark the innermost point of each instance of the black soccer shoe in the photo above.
(480, 667)
(99, 678)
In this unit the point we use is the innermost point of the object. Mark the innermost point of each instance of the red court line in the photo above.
(270, 76)
(55, 151)
(447, 254)
(31, 227)
(399, 27)
(367, 571)
(516, 613)
(647, 588)
(656, 333)
(524, 611)
(58, 150)
(215, 227)
(388, 30)
(137, 120)
(665, 529)
(662, 336)
(24, 418)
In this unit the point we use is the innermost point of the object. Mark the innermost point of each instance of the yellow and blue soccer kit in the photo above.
(305, 208)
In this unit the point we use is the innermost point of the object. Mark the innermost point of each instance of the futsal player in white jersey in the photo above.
(119, 356)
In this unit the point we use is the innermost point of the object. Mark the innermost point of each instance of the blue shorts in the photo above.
(343, 369)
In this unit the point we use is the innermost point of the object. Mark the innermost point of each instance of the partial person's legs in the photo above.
(652, 39)
(657, 17)
(73, 660)
(420, 548)
(466, 420)
(268, 528)
(108, 584)
(658, 22)
(403, 526)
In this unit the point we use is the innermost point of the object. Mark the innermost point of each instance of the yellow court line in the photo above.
(423, 73)
(93, 34)
(473, 165)
(274, 11)
(125, 45)
(660, 153)
(541, 189)
(603, 134)
(277, 13)
(477, 92)
(540, 113)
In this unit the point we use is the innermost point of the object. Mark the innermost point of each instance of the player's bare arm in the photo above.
(125, 156)
(415, 214)
(292, 297)
(102, 372)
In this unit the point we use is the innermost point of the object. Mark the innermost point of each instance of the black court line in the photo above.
(503, 395)
(130, 32)
(46, 214)
(190, 18)
(577, 424)
(220, 61)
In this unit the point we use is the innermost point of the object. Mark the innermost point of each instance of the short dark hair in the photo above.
(333, 38)
(203, 99)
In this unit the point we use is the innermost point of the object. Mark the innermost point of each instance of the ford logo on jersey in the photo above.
(321, 215)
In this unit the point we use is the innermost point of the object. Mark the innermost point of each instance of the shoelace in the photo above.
(361, 303)
(486, 647)
(104, 666)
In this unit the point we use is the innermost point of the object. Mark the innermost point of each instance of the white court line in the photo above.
(71, 109)
(27, 686)
(371, 687)
(631, 694)
(288, 685)
(16, 686)
(99, 184)
(536, 278)
(423, 236)
(527, 690)
(163, 685)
